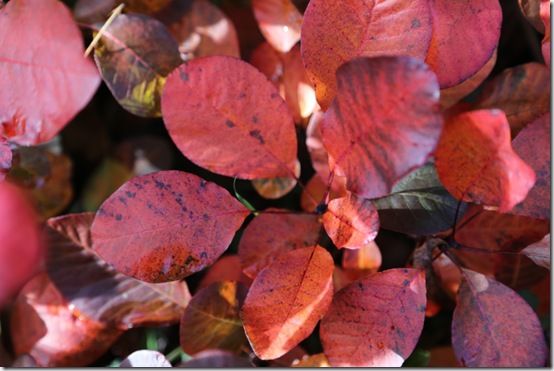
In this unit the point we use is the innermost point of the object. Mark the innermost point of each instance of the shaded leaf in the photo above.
(456, 56)
(287, 299)
(100, 292)
(165, 226)
(539, 252)
(376, 321)
(366, 259)
(200, 28)
(492, 326)
(531, 11)
(351, 222)
(6, 157)
(105, 180)
(476, 163)
(533, 146)
(211, 320)
(227, 268)
(289, 357)
(44, 326)
(314, 360)
(274, 188)
(46, 89)
(145, 358)
(134, 56)
(418, 204)
(249, 136)
(21, 249)
(335, 31)
(443, 356)
(280, 22)
(271, 234)
(522, 92)
(384, 122)
(299, 92)
(545, 17)
(216, 359)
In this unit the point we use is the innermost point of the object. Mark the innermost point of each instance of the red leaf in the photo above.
(335, 31)
(227, 268)
(49, 80)
(287, 299)
(364, 260)
(376, 321)
(545, 17)
(216, 359)
(539, 252)
(145, 358)
(45, 327)
(279, 21)
(456, 56)
(211, 320)
(494, 327)
(21, 247)
(100, 292)
(5, 158)
(269, 235)
(384, 122)
(225, 116)
(476, 163)
(351, 222)
(165, 226)
(533, 146)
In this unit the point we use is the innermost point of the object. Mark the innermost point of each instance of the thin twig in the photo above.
(98, 36)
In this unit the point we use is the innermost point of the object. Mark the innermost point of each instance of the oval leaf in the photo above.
(271, 234)
(376, 321)
(335, 31)
(476, 163)
(46, 89)
(493, 326)
(274, 188)
(225, 116)
(279, 21)
(287, 299)
(145, 358)
(539, 252)
(351, 222)
(456, 56)
(384, 122)
(21, 249)
(211, 320)
(134, 55)
(97, 290)
(165, 226)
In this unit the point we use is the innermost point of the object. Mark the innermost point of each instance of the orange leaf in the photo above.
(279, 21)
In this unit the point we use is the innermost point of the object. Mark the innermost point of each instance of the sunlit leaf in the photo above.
(145, 358)
(280, 22)
(274, 188)
(227, 268)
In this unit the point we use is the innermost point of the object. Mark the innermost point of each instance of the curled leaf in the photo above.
(165, 226)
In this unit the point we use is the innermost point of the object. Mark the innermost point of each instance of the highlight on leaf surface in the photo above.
(134, 55)
(456, 56)
(211, 320)
(494, 327)
(476, 163)
(366, 259)
(225, 116)
(351, 222)
(274, 188)
(382, 317)
(165, 226)
(279, 21)
(21, 247)
(539, 252)
(335, 31)
(271, 234)
(46, 89)
(145, 358)
(384, 122)
(97, 290)
(287, 299)
(44, 326)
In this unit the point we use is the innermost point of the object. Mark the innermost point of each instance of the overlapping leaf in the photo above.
(494, 327)
(44, 326)
(21, 247)
(366, 259)
(6, 157)
(273, 233)
(545, 17)
(539, 252)
(225, 116)
(134, 55)
(165, 226)
(274, 188)
(476, 163)
(376, 321)
(287, 299)
(100, 292)
(145, 358)
(216, 359)
(46, 88)
(419, 204)
(211, 320)
(335, 31)
(384, 122)
(226, 268)
(280, 22)
(351, 222)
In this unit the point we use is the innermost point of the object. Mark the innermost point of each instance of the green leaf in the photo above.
(418, 204)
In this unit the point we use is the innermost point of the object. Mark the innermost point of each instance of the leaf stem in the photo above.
(176, 353)
(96, 39)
